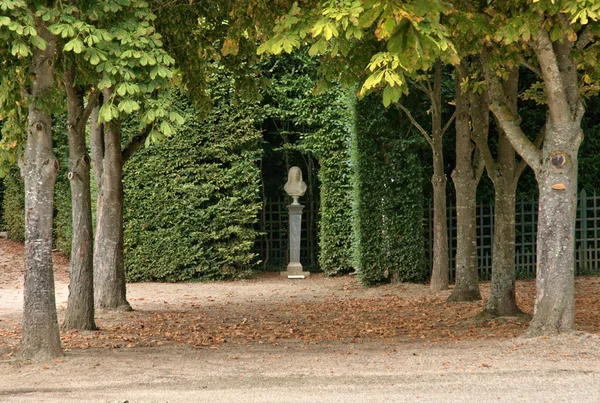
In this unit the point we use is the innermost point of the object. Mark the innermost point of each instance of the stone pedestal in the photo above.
(294, 268)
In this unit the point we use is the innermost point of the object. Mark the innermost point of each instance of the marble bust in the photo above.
(295, 187)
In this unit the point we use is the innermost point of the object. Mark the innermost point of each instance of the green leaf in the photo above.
(75, 45)
(38, 42)
(20, 49)
(390, 95)
(106, 82)
(128, 106)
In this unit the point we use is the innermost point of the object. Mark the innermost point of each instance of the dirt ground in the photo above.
(319, 339)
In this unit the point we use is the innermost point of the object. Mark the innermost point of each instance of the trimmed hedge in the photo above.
(191, 202)
(331, 146)
(13, 205)
(63, 226)
(389, 199)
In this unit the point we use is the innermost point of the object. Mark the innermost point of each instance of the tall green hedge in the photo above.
(389, 200)
(331, 144)
(13, 205)
(62, 226)
(191, 202)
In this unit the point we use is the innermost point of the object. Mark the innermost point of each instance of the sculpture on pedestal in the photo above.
(295, 188)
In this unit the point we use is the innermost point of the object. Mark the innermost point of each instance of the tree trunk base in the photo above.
(464, 296)
(535, 330)
(488, 315)
(72, 325)
(438, 286)
(35, 355)
(121, 308)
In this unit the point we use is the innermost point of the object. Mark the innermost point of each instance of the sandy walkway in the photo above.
(301, 367)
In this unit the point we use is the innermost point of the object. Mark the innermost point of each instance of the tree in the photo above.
(440, 270)
(504, 171)
(471, 120)
(559, 38)
(80, 305)
(130, 68)
(28, 44)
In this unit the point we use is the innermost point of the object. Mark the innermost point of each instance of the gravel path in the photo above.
(561, 369)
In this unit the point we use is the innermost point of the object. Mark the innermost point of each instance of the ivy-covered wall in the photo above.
(388, 208)
(191, 202)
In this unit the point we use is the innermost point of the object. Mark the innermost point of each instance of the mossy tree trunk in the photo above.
(504, 172)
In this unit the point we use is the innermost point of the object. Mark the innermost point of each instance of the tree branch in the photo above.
(420, 87)
(508, 121)
(557, 97)
(135, 144)
(532, 68)
(586, 37)
(92, 102)
(97, 144)
(449, 122)
(539, 139)
(416, 124)
(69, 80)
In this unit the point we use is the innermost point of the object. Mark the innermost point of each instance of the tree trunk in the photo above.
(466, 177)
(109, 273)
(439, 275)
(80, 305)
(502, 300)
(467, 278)
(555, 295)
(505, 176)
(440, 270)
(41, 337)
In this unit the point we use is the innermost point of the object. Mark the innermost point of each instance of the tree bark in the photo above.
(80, 305)
(109, 273)
(41, 337)
(466, 176)
(555, 287)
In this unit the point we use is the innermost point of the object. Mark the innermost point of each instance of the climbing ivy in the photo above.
(388, 208)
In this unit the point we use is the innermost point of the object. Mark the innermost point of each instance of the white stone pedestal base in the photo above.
(294, 270)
